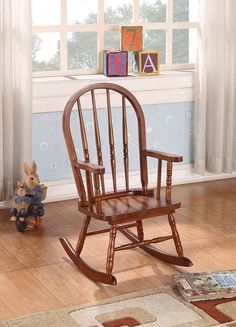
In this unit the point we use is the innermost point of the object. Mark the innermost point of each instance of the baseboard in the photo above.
(5, 205)
(182, 174)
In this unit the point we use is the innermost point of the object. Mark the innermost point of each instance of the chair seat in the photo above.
(132, 207)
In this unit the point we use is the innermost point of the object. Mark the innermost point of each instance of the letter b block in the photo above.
(146, 62)
(115, 63)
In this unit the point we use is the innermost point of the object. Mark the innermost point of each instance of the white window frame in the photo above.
(100, 28)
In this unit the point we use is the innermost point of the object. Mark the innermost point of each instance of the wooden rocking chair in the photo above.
(121, 209)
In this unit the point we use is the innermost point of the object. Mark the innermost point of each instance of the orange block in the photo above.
(131, 38)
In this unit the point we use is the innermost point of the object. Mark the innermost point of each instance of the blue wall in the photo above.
(169, 128)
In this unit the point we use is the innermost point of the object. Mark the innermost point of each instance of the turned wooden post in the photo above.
(97, 193)
(175, 234)
(159, 179)
(89, 184)
(83, 132)
(82, 235)
(111, 250)
(168, 181)
(97, 139)
(111, 141)
(140, 230)
(125, 143)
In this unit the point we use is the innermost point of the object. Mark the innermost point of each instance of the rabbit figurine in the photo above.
(35, 192)
(20, 203)
(27, 208)
(32, 181)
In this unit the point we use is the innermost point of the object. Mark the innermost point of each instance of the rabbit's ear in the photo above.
(33, 167)
(18, 184)
(26, 168)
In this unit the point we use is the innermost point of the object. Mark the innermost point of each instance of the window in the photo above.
(69, 35)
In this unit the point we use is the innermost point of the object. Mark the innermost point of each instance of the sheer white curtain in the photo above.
(16, 92)
(215, 88)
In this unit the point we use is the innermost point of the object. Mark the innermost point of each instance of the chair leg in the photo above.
(175, 234)
(82, 235)
(140, 230)
(111, 250)
(88, 271)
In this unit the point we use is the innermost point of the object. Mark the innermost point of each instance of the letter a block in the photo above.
(115, 63)
(132, 38)
(146, 62)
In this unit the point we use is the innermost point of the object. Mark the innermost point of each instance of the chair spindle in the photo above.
(125, 143)
(83, 132)
(111, 141)
(168, 181)
(89, 189)
(97, 138)
(159, 178)
(97, 193)
(86, 153)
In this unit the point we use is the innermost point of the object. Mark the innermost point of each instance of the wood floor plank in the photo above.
(24, 293)
(8, 261)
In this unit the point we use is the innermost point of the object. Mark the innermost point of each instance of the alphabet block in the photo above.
(115, 63)
(132, 38)
(146, 62)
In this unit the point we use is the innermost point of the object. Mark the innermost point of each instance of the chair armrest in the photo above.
(163, 155)
(90, 167)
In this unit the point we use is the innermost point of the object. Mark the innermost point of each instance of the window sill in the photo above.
(101, 77)
(51, 93)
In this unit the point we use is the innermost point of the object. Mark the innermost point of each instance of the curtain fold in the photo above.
(215, 87)
(16, 92)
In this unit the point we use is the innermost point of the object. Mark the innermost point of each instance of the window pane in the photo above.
(118, 12)
(156, 40)
(152, 11)
(180, 46)
(82, 12)
(46, 12)
(82, 50)
(45, 51)
(185, 10)
(111, 40)
(184, 46)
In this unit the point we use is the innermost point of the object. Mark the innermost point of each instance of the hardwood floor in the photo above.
(36, 275)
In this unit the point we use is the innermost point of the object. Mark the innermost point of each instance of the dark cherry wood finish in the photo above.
(121, 209)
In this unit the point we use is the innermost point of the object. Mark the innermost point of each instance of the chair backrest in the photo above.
(126, 98)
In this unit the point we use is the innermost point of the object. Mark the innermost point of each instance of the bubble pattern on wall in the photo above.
(169, 128)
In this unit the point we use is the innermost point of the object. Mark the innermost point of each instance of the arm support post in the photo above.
(170, 158)
(96, 170)
(168, 181)
(97, 193)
